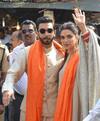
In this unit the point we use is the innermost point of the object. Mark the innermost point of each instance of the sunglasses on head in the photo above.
(42, 31)
(24, 31)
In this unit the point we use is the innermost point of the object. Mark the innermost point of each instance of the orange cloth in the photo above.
(64, 101)
(36, 77)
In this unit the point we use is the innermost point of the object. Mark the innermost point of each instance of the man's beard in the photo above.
(46, 40)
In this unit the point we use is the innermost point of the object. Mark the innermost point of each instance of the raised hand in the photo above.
(79, 18)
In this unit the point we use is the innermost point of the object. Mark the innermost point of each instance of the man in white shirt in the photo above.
(28, 37)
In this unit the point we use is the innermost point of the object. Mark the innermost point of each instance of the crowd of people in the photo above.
(42, 79)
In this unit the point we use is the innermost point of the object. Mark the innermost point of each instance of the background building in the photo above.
(12, 12)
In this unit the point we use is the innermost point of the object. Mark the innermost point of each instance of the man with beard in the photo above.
(28, 36)
(42, 62)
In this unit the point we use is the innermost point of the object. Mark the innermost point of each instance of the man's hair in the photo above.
(44, 19)
(17, 35)
(27, 22)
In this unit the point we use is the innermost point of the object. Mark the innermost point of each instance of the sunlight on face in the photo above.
(69, 40)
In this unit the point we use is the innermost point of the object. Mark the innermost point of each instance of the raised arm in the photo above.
(80, 20)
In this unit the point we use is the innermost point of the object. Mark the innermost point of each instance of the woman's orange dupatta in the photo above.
(36, 77)
(64, 102)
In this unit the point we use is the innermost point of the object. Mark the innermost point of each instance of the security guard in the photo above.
(3, 69)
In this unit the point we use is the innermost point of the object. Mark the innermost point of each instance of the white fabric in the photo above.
(16, 70)
(94, 114)
(89, 75)
(21, 86)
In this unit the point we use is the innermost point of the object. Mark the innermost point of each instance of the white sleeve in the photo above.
(94, 114)
(15, 71)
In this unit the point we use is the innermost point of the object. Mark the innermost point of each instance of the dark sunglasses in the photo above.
(24, 31)
(42, 31)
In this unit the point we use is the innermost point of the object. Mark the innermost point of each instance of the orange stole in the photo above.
(64, 101)
(36, 77)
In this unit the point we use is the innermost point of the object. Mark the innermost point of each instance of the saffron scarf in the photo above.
(64, 101)
(36, 77)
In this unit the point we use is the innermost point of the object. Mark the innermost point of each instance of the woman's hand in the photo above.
(79, 18)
